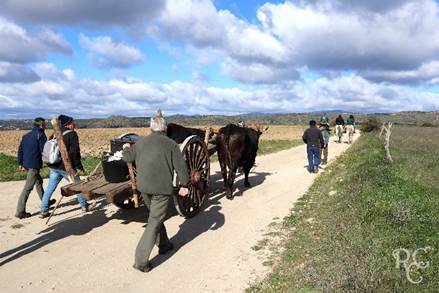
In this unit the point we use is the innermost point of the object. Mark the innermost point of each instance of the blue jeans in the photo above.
(56, 175)
(313, 152)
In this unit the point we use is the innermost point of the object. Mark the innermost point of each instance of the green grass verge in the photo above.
(273, 146)
(9, 168)
(364, 208)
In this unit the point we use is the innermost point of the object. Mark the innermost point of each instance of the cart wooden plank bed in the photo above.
(196, 153)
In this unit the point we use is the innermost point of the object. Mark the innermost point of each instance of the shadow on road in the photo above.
(72, 226)
(209, 218)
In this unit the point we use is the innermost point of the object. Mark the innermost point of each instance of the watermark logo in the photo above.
(412, 262)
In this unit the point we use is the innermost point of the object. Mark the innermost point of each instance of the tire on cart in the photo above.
(197, 159)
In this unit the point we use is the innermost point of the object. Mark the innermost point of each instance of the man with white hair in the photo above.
(156, 157)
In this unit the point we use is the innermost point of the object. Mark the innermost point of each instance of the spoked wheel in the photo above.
(195, 153)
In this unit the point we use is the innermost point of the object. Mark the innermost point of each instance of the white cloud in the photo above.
(61, 91)
(376, 6)
(258, 72)
(107, 52)
(199, 77)
(194, 21)
(380, 40)
(82, 12)
(424, 74)
(325, 35)
(17, 45)
(201, 25)
(323, 38)
(17, 73)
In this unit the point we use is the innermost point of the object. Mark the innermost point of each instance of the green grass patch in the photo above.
(377, 207)
(9, 168)
(260, 245)
(274, 146)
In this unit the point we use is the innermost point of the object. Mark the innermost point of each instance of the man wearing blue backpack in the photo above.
(58, 171)
(29, 159)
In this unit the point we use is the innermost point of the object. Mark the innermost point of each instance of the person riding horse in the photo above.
(339, 127)
(350, 122)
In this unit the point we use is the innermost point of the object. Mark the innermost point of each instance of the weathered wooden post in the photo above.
(387, 141)
(382, 129)
(133, 185)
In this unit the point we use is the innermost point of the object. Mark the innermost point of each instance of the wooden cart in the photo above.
(196, 153)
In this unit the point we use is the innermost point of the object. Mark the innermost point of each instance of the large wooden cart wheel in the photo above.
(195, 153)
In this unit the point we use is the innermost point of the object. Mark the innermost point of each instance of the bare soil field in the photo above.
(96, 140)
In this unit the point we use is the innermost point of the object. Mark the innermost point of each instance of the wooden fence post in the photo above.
(388, 130)
(133, 185)
(382, 129)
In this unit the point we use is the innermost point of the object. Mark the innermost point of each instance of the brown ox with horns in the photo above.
(237, 147)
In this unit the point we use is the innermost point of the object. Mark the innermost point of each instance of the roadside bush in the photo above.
(370, 124)
(427, 124)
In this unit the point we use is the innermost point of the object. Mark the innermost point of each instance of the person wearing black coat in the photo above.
(58, 171)
(29, 160)
(314, 140)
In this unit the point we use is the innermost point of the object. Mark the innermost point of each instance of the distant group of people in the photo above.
(317, 139)
(30, 161)
(348, 127)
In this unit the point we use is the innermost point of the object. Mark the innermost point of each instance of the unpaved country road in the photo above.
(93, 252)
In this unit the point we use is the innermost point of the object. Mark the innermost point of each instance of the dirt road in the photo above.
(93, 252)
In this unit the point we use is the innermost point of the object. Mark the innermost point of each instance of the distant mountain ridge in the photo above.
(118, 121)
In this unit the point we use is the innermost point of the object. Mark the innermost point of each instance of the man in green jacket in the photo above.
(156, 157)
(324, 128)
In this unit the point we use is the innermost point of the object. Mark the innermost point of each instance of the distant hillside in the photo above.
(403, 118)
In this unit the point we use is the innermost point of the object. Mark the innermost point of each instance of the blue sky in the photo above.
(89, 59)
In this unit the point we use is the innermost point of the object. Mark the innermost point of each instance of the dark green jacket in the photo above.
(325, 135)
(156, 157)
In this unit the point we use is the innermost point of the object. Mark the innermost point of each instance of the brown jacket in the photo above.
(313, 136)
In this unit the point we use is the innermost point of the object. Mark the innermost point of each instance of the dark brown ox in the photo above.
(237, 147)
(179, 133)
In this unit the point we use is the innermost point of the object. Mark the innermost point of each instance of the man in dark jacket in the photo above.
(156, 157)
(339, 127)
(314, 140)
(29, 159)
(58, 171)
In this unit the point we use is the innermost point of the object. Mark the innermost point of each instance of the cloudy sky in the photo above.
(100, 58)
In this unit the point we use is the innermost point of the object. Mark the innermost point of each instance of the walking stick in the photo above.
(133, 185)
(65, 158)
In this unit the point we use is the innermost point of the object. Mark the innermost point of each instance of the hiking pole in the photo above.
(65, 159)
(133, 185)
